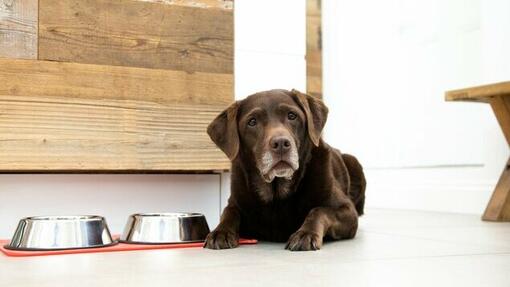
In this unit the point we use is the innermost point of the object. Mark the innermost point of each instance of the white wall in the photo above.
(270, 46)
(387, 66)
(269, 53)
(112, 196)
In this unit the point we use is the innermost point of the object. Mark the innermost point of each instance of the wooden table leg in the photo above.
(498, 208)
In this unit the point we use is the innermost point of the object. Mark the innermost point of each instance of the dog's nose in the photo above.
(280, 144)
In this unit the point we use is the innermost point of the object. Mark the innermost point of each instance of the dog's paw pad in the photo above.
(221, 239)
(304, 241)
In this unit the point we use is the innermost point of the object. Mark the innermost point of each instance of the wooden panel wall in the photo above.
(314, 48)
(137, 33)
(68, 116)
(18, 29)
(118, 86)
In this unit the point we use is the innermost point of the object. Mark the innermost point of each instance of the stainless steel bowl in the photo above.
(161, 228)
(61, 232)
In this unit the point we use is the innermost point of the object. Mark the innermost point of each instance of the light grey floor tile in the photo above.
(392, 248)
(455, 228)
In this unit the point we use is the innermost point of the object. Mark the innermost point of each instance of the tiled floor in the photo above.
(392, 248)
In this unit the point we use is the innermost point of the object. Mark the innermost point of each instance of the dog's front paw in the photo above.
(304, 241)
(221, 239)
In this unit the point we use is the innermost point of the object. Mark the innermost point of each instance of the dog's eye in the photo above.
(252, 122)
(291, 116)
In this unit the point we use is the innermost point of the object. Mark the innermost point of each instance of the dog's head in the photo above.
(272, 128)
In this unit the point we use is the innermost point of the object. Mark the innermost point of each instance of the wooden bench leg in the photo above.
(498, 208)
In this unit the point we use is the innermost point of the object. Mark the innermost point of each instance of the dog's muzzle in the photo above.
(280, 160)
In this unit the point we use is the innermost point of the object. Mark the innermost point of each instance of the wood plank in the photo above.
(91, 118)
(501, 107)
(479, 93)
(137, 33)
(313, 7)
(313, 33)
(314, 85)
(498, 208)
(18, 29)
(59, 79)
(314, 48)
(314, 63)
(222, 4)
(314, 73)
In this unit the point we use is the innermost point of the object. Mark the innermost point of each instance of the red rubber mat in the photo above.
(113, 248)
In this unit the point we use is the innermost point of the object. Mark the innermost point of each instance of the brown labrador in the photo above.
(287, 184)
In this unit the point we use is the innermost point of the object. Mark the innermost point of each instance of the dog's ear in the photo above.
(223, 131)
(316, 114)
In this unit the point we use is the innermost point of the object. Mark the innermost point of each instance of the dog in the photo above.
(287, 184)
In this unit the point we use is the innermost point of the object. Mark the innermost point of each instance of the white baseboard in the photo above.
(454, 189)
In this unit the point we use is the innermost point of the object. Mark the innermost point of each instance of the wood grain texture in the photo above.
(313, 33)
(314, 73)
(222, 4)
(18, 29)
(501, 107)
(314, 85)
(313, 7)
(137, 33)
(71, 117)
(479, 93)
(498, 208)
(314, 48)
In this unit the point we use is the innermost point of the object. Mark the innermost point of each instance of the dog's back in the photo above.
(357, 182)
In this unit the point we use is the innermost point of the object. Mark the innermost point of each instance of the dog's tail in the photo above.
(358, 182)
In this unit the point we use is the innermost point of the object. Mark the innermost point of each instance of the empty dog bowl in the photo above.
(61, 232)
(160, 228)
